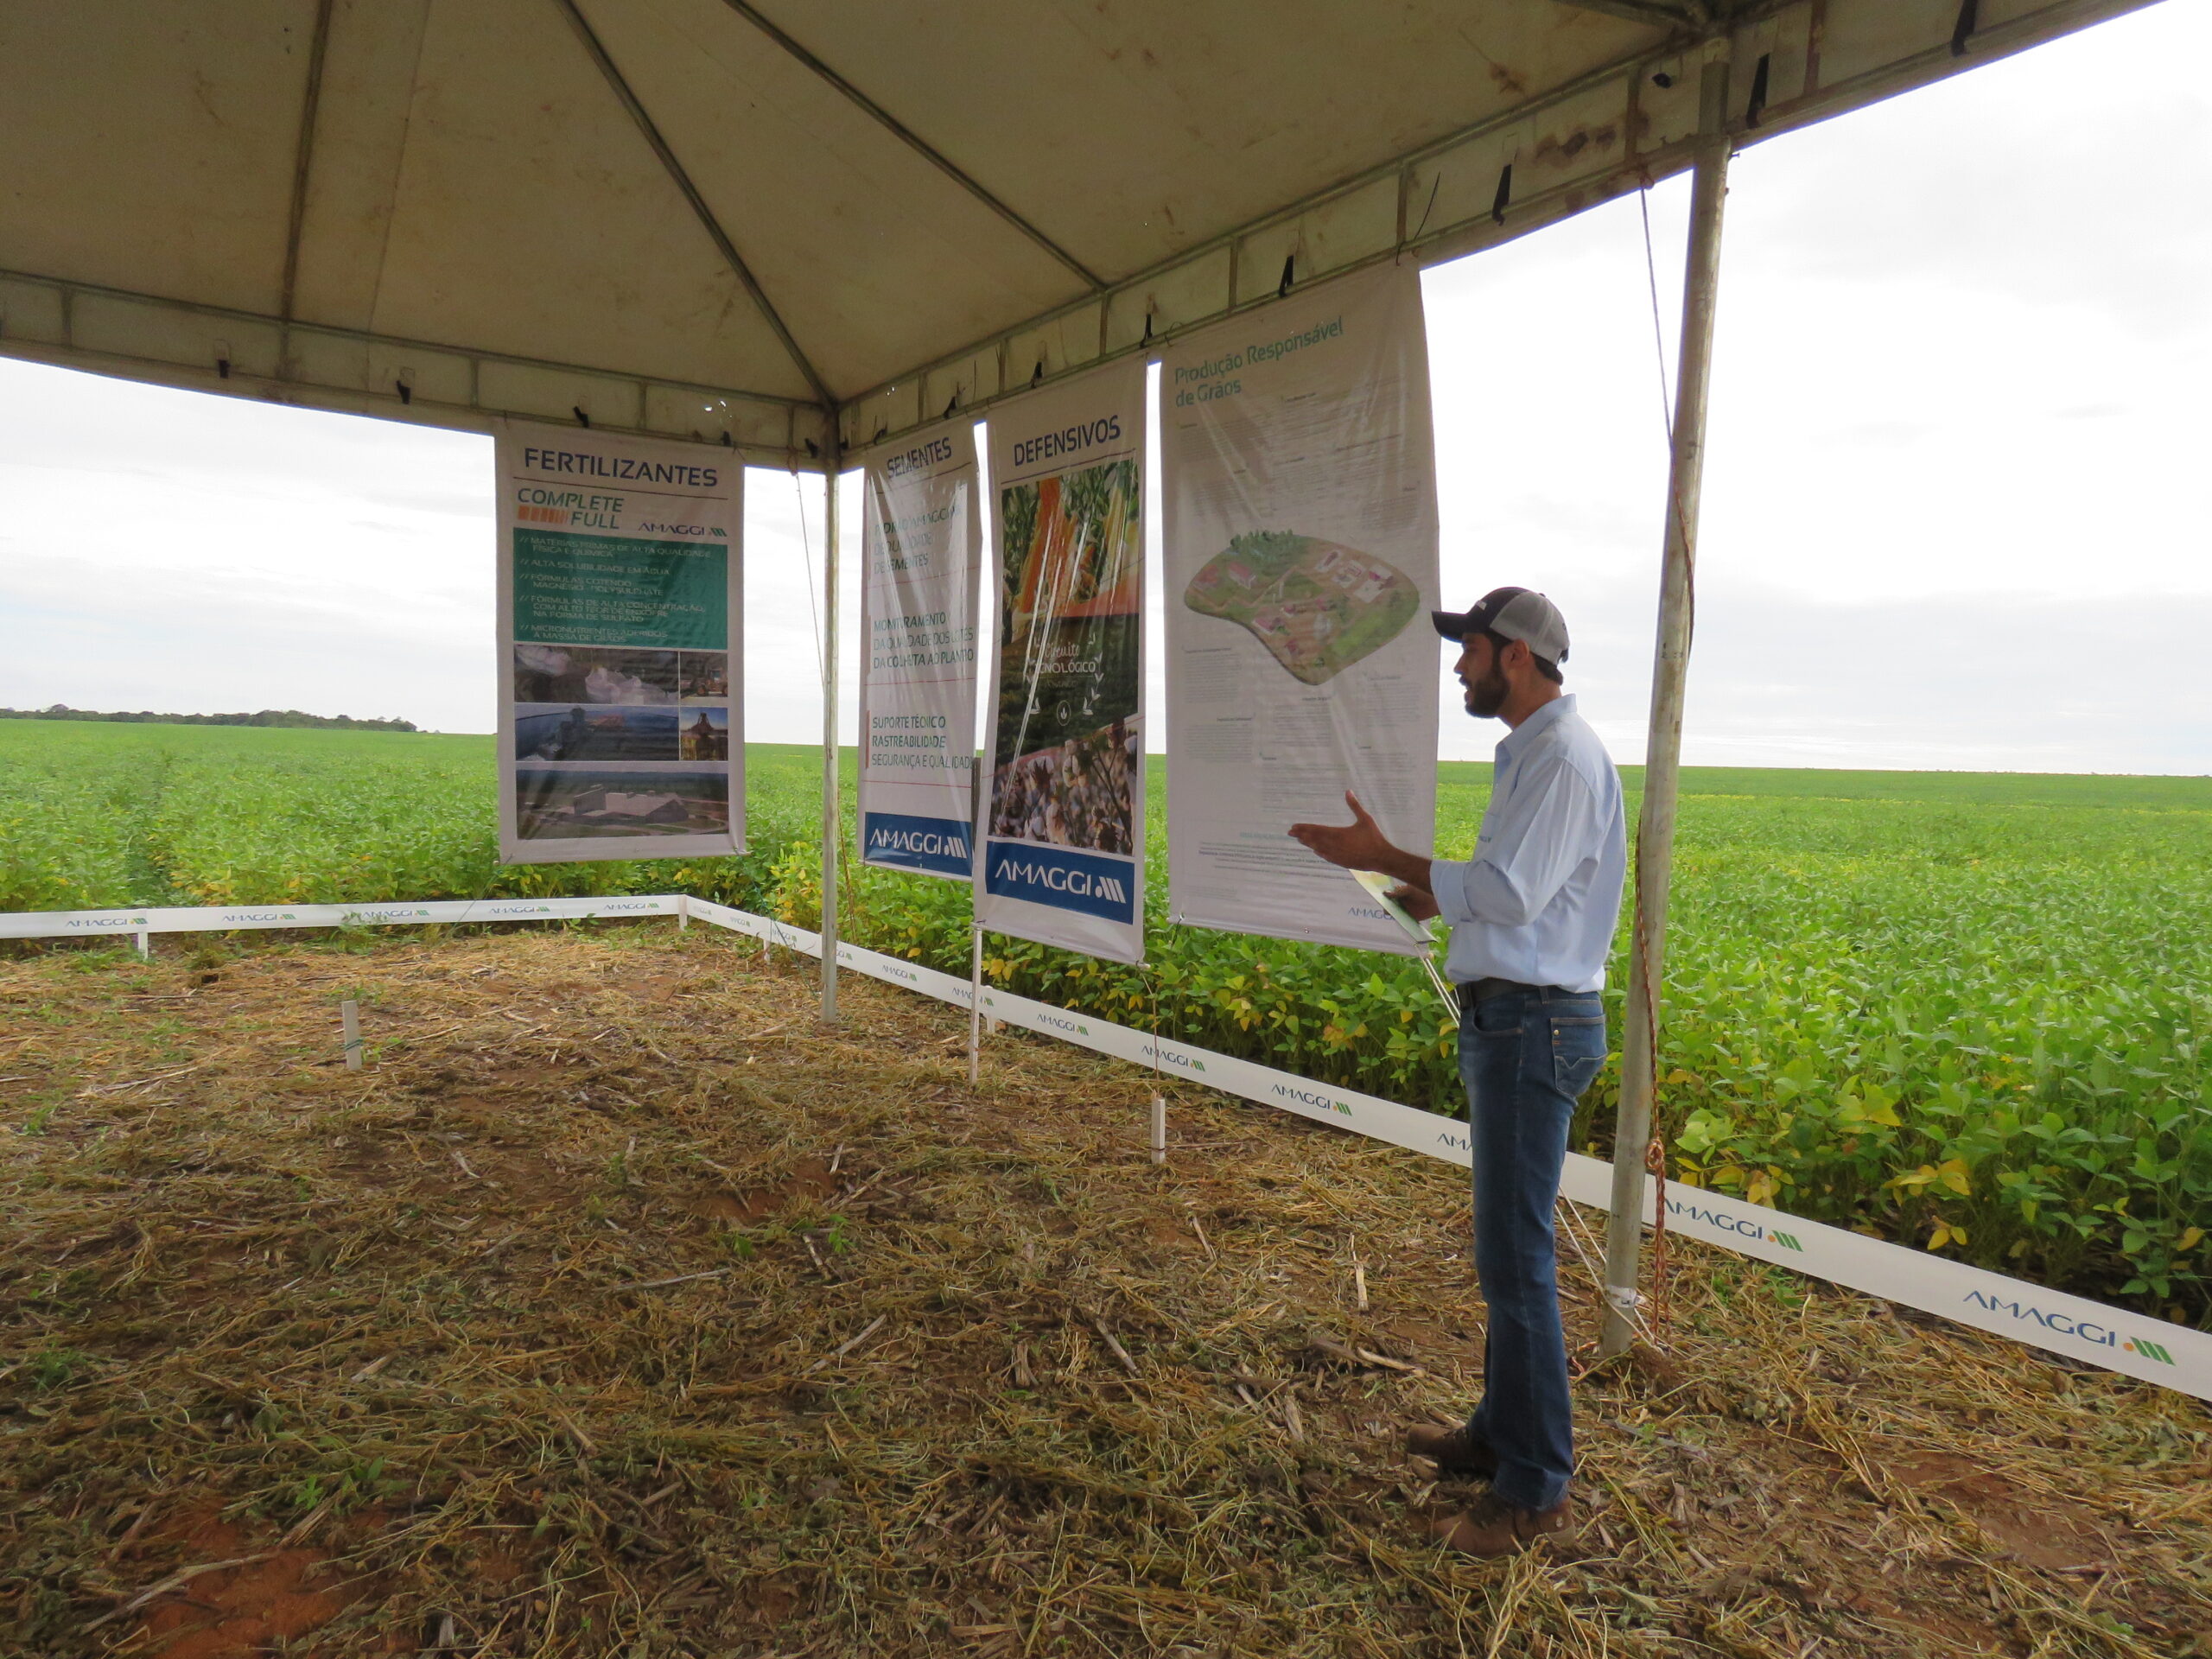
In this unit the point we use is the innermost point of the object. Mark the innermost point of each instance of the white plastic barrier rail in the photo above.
(2174, 1357)
(224, 918)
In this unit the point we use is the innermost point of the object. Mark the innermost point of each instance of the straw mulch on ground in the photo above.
(614, 1308)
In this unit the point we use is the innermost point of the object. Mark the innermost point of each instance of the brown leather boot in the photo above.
(1452, 1449)
(1493, 1527)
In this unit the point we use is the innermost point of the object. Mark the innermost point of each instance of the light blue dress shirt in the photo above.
(1539, 900)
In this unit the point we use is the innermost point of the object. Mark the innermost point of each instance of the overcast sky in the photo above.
(1956, 502)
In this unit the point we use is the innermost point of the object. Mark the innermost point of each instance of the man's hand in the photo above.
(1360, 845)
(1357, 846)
(1417, 902)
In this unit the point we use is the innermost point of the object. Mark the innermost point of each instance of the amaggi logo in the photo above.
(259, 916)
(1062, 879)
(922, 843)
(939, 845)
(1312, 1097)
(107, 921)
(1081, 884)
(519, 910)
(1060, 1022)
(1169, 1056)
(1741, 1226)
(2067, 1325)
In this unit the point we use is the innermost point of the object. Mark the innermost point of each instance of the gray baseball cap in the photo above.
(1515, 612)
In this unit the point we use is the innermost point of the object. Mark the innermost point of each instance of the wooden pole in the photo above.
(1655, 838)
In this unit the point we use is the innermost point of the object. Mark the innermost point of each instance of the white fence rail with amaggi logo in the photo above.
(2135, 1344)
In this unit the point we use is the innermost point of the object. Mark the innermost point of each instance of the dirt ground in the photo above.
(614, 1308)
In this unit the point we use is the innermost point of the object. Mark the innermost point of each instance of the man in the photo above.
(1532, 917)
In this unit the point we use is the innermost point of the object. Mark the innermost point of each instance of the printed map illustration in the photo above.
(1318, 607)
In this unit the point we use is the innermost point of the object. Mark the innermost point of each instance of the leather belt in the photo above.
(1481, 990)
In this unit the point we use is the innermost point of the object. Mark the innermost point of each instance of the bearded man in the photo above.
(1532, 916)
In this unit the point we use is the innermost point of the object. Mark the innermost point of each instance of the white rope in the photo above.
(1658, 329)
(806, 552)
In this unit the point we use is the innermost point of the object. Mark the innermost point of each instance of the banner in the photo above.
(921, 559)
(1063, 820)
(1300, 479)
(620, 563)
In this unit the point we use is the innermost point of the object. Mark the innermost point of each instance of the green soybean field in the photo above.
(1969, 1012)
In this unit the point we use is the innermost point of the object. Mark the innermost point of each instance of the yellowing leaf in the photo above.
(1956, 1176)
(2190, 1238)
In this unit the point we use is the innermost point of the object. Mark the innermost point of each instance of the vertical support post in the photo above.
(145, 943)
(1159, 1127)
(682, 913)
(349, 1022)
(1654, 836)
(833, 817)
(975, 1009)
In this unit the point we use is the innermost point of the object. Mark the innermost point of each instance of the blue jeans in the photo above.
(1525, 1058)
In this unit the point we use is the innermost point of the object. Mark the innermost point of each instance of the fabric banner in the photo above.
(1300, 479)
(922, 561)
(1063, 824)
(620, 629)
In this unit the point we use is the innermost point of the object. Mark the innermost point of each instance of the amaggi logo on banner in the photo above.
(1312, 1097)
(1063, 879)
(2065, 1326)
(939, 845)
(1726, 1221)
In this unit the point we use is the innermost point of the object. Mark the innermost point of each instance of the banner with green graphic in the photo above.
(620, 630)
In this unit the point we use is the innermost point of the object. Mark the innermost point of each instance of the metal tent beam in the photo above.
(913, 141)
(705, 214)
(1667, 13)
(1662, 755)
(303, 164)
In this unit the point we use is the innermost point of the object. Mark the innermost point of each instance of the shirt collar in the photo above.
(1533, 728)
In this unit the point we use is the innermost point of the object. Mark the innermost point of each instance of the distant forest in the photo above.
(266, 717)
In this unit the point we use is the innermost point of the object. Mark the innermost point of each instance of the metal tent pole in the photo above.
(833, 826)
(1655, 837)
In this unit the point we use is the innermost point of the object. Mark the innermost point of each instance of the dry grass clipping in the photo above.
(614, 1308)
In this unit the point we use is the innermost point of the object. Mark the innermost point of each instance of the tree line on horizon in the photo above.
(292, 717)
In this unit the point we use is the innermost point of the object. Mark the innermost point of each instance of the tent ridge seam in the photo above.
(682, 180)
(914, 141)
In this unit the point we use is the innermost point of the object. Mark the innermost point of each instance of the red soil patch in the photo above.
(271, 1596)
(2041, 1530)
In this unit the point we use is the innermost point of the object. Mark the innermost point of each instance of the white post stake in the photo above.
(682, 912)
(145, 944)
(1655, 838)
(833, 825)
(349, 1017)
(976, 1007)
(1158, 1127)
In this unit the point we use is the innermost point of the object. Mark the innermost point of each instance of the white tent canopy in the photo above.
(712, 219)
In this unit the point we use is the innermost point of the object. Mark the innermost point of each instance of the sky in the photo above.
(1956, 506)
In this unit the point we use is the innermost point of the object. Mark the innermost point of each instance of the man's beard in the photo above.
(1488, 694)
